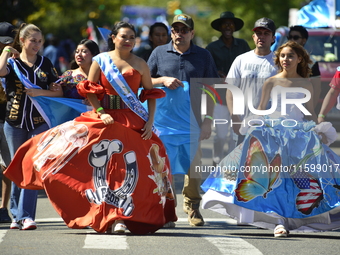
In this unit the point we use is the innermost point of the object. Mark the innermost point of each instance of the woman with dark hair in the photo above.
(283, 176)
(80, 67)
(106, 169)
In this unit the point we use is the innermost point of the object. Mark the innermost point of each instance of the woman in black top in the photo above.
(23, 119)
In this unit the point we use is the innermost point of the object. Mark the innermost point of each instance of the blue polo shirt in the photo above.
(191, 66)
(196, 62)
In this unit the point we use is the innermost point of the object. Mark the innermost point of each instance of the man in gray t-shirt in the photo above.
(249, 71)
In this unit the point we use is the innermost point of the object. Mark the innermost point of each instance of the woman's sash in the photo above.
(117, 81)
(54, 110)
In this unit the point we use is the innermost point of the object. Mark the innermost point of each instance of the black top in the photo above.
(20, 111)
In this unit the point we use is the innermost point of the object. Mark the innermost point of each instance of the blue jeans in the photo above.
(23, 202)
(5, 156)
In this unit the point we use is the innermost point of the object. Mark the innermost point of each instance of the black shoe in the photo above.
(4, 217)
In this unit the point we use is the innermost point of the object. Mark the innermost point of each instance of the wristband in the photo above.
(8, 50)
(208, 117)
(321, 116)
(99, 109)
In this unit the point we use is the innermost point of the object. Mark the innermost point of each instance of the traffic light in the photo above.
(173, 6)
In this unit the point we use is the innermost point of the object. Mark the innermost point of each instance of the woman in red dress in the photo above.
(106, 169)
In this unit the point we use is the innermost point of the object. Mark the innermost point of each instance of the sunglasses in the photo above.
(294, 37)
(227, 24)
(183, 30)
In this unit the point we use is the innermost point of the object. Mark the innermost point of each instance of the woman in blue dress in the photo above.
(283, 176)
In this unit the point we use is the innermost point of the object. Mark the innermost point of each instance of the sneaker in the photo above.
(4, 217)
(169, 224)
(28, 224)
(119, 228)
(14, 225)
(194, 216)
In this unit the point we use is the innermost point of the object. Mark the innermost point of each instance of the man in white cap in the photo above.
(7, 35)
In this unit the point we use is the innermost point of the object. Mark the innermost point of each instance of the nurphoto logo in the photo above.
(239, 102)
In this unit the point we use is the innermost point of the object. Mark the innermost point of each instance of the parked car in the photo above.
(323, 44)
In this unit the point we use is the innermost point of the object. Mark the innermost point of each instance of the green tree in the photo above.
(68, 19)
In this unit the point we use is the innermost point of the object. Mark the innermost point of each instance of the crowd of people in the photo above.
(111, 168)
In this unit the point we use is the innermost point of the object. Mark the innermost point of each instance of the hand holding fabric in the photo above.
(106, 118)
(147, 134)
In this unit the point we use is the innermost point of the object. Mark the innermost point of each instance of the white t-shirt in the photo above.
(248, 72)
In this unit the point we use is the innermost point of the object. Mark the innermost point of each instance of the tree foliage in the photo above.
(68, 19)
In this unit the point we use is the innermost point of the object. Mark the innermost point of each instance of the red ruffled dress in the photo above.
(94, 173)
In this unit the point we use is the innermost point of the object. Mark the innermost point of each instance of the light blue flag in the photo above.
(60, 109)
(104, 33)
(178, 128)
(315, 14)
(54, 110)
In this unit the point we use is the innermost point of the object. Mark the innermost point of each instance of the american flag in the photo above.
(310, 192)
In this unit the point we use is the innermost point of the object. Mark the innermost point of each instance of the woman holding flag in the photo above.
(106, 169)
(27, 75)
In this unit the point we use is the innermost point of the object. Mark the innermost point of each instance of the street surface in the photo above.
(220, 235)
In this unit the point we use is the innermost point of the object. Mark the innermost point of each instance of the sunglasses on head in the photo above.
(183, 30)
(294, 37)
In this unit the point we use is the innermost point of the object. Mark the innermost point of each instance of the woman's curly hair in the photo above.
(303, 68)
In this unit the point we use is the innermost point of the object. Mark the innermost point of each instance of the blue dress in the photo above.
(280, 174)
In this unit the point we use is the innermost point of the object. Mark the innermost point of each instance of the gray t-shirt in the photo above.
(249, 72)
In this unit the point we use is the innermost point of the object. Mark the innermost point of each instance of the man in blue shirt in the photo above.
(173, 65)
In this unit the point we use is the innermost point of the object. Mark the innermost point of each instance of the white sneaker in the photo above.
(14, 225)
(169, 224)
(28, 224)
(119, 228)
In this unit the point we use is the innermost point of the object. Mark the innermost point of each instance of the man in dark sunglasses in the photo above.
(299, 34)
(177, 66)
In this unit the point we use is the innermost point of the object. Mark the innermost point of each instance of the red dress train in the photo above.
(95, 174)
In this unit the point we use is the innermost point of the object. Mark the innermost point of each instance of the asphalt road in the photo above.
(220, 235)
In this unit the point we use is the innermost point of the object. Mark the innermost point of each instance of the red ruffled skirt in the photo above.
(95, 174)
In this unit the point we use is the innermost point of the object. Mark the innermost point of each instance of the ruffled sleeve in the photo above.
(328, 130)
(86, 86)
(151, 94)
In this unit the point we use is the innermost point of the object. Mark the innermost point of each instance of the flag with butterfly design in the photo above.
(279, 170)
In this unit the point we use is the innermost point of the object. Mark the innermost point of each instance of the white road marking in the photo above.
(49, 220)
(233, 245)
(113, 242)
(226, 245)
(222, 220)
(215, 220)
(2, 235)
